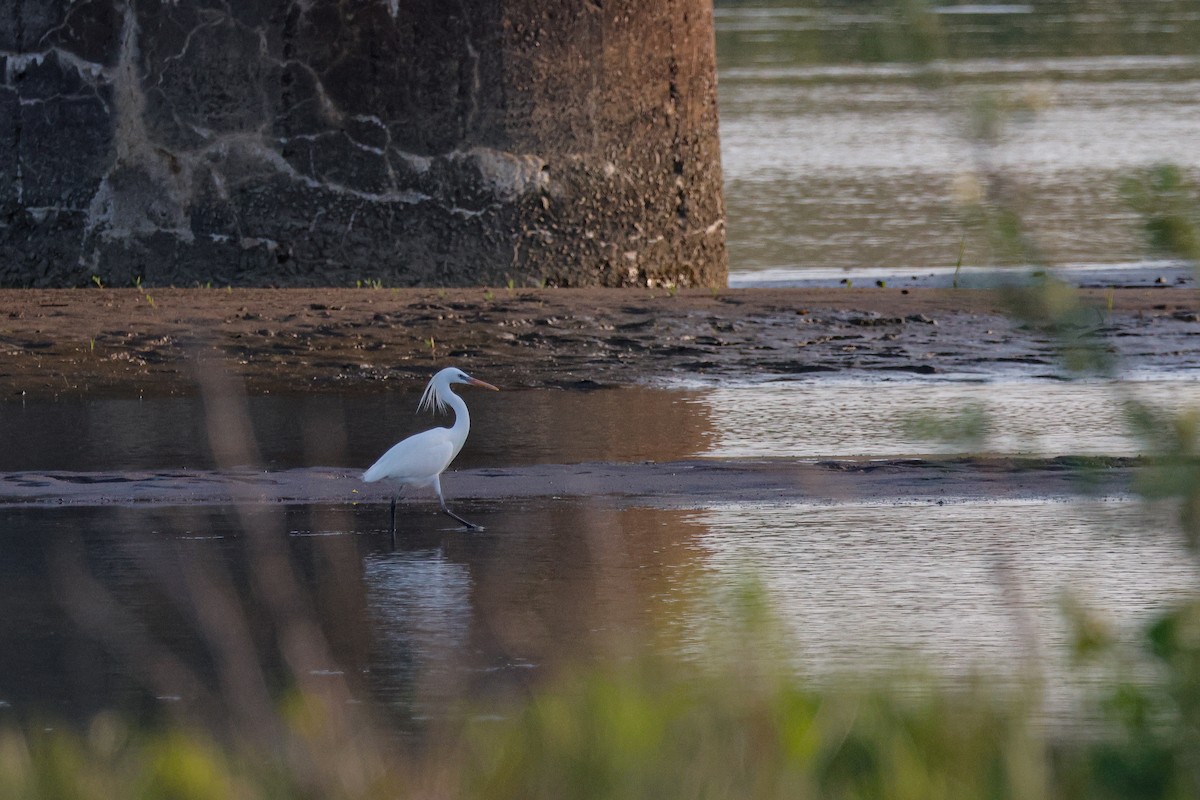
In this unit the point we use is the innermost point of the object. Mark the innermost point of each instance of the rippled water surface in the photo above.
(957, 587)
(819, 418)
(841, 150)
(835, 419)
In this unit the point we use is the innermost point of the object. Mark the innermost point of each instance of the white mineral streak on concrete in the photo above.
(149, 188)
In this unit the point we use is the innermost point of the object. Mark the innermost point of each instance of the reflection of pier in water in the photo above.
(101, 601)
(507, 428)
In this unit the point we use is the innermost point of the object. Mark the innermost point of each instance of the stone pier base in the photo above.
(409, 142)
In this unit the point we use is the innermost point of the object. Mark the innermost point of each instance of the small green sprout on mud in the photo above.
(96, 280)
(137, 284)
(432, 346)
(487, 295)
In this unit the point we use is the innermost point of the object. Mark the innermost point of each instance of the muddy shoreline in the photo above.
(129, 341)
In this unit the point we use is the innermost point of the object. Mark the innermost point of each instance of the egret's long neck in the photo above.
(462, 420)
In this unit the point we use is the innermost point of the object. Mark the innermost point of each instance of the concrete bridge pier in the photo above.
(410, 142)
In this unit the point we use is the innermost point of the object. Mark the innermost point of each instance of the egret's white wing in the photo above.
(417, 459)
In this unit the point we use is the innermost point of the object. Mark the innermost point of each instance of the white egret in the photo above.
(420, 459)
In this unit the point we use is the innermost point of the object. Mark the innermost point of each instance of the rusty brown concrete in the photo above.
(331, 142)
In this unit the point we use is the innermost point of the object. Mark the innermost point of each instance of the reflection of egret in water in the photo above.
(420, 613)
(302, 430)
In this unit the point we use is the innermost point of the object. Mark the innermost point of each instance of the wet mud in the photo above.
(128, 341)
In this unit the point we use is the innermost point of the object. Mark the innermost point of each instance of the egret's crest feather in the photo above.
(430, 399)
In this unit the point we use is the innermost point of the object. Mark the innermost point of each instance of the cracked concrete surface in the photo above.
(324, 142)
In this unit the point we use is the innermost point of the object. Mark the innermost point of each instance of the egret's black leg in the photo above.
(393, 522)
(437, 487)
(470, 525)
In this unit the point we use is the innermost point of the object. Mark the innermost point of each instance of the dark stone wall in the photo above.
(319, 142)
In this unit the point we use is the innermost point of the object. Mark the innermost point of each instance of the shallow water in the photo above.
(839, 154)
(509, 428)
(954, 583)
(1143, 273)
(957, 588)
(816, 418)
(954, 588)
(839, 419)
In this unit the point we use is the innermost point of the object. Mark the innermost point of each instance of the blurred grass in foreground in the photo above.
(656, 727)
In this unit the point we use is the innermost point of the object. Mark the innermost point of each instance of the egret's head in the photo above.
(456, 375)
(434, 397)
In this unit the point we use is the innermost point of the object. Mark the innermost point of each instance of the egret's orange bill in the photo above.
(482, 384)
